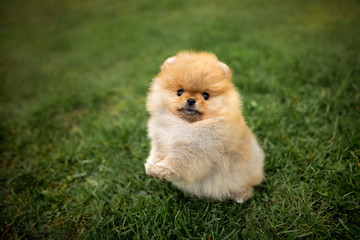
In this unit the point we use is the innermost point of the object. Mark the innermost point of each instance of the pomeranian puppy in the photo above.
(199, 139)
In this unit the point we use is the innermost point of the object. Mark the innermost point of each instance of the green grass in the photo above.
(73, 82)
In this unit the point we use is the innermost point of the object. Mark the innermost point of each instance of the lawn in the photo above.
(73, 82)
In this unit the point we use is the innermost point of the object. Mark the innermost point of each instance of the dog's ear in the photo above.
(168, 62)
(226, 70)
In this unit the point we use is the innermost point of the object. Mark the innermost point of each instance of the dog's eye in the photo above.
(205, 95)
(179, 92)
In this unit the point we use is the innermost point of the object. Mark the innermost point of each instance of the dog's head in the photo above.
(193, 86)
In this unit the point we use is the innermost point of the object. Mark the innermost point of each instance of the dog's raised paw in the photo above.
(159, 171)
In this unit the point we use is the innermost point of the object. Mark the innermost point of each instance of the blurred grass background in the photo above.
(73, 81)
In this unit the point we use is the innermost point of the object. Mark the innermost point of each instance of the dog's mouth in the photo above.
(190, 111)
(189, 114)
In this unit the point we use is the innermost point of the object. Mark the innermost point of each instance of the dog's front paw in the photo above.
(159, 170)
(148, 169)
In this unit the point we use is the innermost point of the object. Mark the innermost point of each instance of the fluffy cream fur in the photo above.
(205, 149)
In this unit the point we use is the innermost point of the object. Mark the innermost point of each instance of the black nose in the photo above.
(191, 101)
